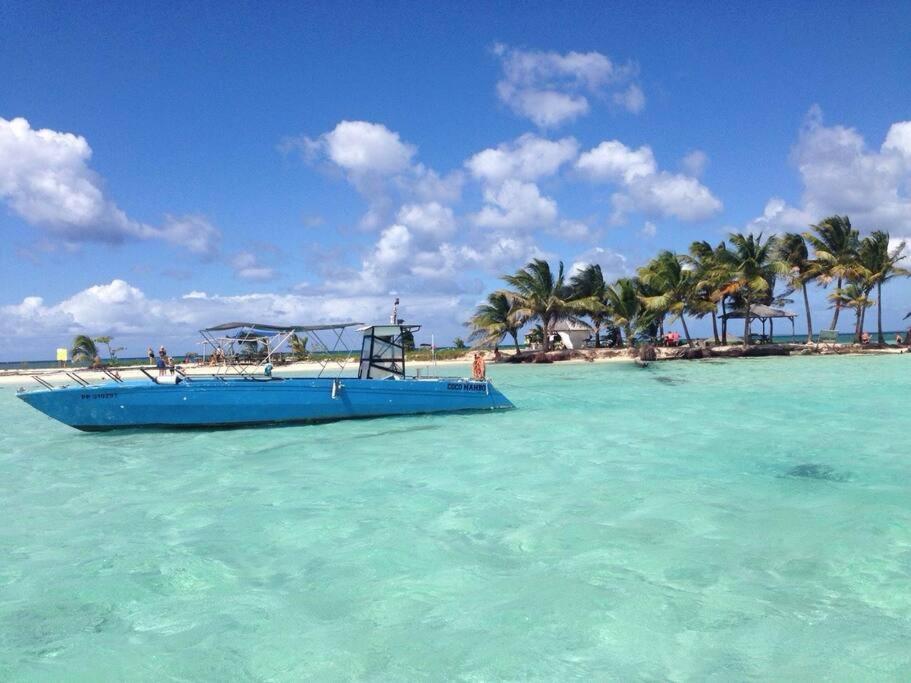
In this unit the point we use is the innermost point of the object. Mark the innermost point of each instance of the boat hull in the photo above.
(212, 402)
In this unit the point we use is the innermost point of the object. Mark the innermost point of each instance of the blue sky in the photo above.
(165, 168)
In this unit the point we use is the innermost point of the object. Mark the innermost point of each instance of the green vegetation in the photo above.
(84, 349)
(112, 352)
(495, 319)
(734, 275)
(298, 347)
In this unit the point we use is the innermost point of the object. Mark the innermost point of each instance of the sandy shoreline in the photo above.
(57, 376)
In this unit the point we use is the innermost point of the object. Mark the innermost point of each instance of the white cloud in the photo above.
(193, 233)
(645, 188)
(552, 88)
(529, 157)
(381, 168)
(632, 99)
(516, 205)
(613, 264)
(615, 162)
(247, 266)
(777, 217)
(363, 148)
(571, 230)
(431, 219)
(45, 179)
(120, 309)
(393, 247)
(842, 175)
(649, 229)
(695, 162)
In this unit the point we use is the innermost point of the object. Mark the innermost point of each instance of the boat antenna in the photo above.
(394, 318)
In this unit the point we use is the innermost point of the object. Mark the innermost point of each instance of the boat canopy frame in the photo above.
(328, 338)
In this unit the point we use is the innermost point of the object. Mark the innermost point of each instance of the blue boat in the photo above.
(233, 395)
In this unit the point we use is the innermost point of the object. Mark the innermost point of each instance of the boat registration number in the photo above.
(107, 394)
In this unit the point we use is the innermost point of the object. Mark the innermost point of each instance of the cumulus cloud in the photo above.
(644, 187)
(361, 148)
(431, 219)
(516, 205)
(529, 157)
(842, 175)
(380, 166)
(613, 161)
(121, 309)
(552, 88)
(45, 179)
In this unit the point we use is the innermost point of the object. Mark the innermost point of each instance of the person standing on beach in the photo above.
(151, 355)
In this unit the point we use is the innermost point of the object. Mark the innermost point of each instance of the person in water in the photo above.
(478, 367)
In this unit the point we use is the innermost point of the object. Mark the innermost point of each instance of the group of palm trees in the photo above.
(707, 281)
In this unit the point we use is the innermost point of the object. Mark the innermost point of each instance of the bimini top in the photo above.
(279, 328)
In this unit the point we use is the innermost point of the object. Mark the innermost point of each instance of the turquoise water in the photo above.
(748, 519)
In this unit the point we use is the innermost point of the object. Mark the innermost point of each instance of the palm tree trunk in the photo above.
(598, 336)
(837, 307)
(858, 321)
(515, 341)
(629, 334)
(715, 324)
(746, 323)
(879, 313)
(686, 332)
(724, 323)
(806, 305)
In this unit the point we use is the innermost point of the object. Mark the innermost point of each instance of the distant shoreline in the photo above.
(623, 355)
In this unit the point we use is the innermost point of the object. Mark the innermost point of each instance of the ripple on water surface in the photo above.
(690, 520)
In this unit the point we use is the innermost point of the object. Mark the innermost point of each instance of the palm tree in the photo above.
(708, 280)
(539, 294)
(674, 284)
(835, 245)
(881, 265)
(494, 319)
(588, 285)
(298, 346)
(854, 296)
(752, 267)
(83, 348)
(800, 269)
(622, 299)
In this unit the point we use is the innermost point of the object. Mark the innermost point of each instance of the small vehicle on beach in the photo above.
(237, 395)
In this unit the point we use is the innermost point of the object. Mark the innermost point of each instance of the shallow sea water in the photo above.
(713, 520)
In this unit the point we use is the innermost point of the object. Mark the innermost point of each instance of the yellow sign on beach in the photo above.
(61, 355)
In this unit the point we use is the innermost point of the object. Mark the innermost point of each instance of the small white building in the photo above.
(572, 334)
